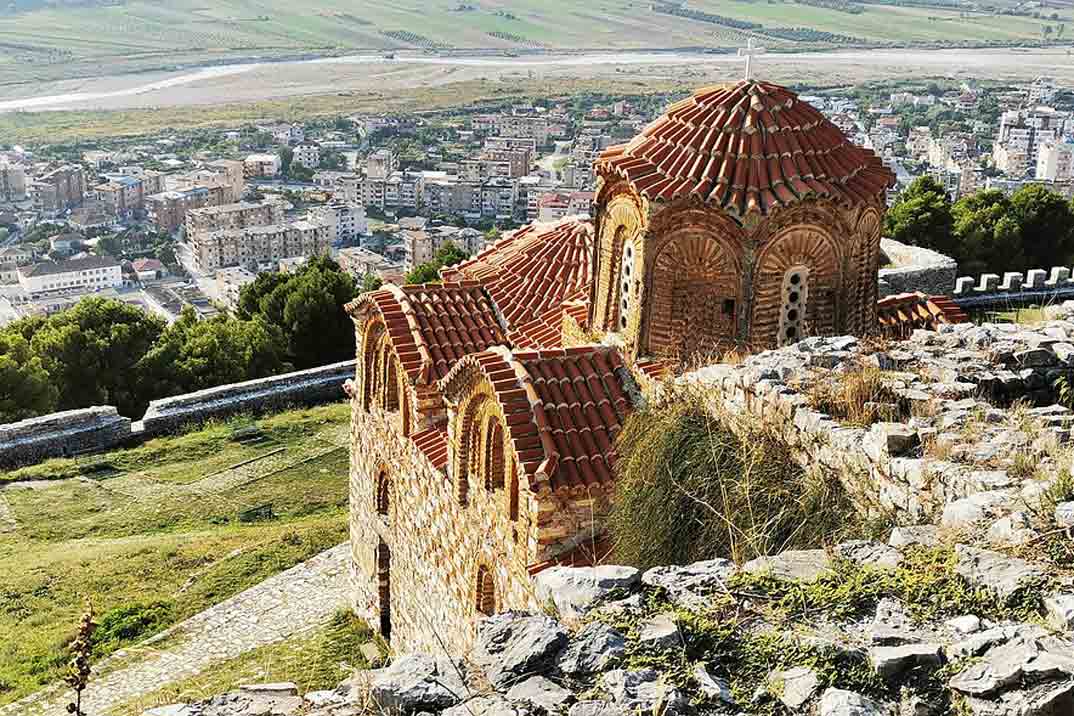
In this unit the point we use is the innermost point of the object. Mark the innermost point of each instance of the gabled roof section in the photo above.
(433, 326)
(900, 314)
(531, 274)
(746, 148)
(563, 408)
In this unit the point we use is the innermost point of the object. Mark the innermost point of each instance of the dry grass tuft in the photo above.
(859, 397)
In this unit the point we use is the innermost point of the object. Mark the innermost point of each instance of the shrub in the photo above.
(859, 397)
(690, 488)
(130, 623)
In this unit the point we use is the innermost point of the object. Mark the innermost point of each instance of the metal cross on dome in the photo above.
(748, 52)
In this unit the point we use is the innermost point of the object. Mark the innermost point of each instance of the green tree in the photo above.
(922, 216)
(197, 354)
(1047, 224)
(447, 255)
(423, 273)
(25, 387)
(987, 232)
(92, 352)
(371, 282)
(287, 157)
(249, 304)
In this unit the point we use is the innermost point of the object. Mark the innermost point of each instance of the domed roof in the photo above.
(750, 147)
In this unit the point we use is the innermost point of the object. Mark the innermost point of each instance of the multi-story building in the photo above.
(59, 190)
(348, 220)
(1041, 91)
(123, 196)
(285, 133)
(92, 273)
(232, 216)
(10, 259)
(12, 182)
(421, 245)
(359, 262)
(308, 155)
(1055, 160)
(1021, 132)
(498, 197)
(230, 282)
(232, 173)
(262, 165)
(167, 210)
(403, 190)
(381, 164)
(255, 245)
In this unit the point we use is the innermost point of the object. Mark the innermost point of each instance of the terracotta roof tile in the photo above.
(531, 274)
(712, 144)
(564, 432)
(433, 444)
(900, 314)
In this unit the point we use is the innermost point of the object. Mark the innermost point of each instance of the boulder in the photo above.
(804, 564)
(711, 687)
(1002, 574)
(645, 690)
(885, 440)
(793, 687)
(488, 705)
(890, 661)
(924, 535)
(837, 702)
(512, 646)
(659, 632)
(1060, 610)
(965, 624)
(416, 682)
(689, 585)
(544, 695)
(872, 554)
(596, 708)
(969, 511)
(594, 648)
(574, 590)
(1024, 656)
(1064, 514)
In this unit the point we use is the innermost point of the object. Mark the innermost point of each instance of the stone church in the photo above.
(486, 407)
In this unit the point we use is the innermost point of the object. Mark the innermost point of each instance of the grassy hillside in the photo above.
(157, 533)
(53, 42)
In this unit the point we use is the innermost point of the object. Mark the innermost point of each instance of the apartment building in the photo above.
(12, 182)
(285, 133)
(1021, 132)
(381, 164)
(224, 174)
(262, 165)
(122, 196)
(167, 210)
(232, 216)
(421, 245)
(230, 282)
(359, 262)
(92, 273)
(59, 190)
(308, 155)
(10, 259)
(254, 245)
(1055, 160)
(348, 220)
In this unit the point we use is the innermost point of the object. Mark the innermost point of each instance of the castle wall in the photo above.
(306, 387)
(61, 435)
(437, 546)
(916, 269)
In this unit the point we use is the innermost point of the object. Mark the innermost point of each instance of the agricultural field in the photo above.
(154, 534)
(140, 35)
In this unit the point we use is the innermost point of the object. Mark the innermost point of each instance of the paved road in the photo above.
(292, 602)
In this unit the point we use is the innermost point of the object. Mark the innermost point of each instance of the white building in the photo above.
(229, 284)
(1055, 161)
(92, 273)
(262, 165)
(308, 155)
(347, 219)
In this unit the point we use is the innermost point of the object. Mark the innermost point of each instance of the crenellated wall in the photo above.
(1014, 288)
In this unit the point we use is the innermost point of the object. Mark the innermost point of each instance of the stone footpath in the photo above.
(289, 603)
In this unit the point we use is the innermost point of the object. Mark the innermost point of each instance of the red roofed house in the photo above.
(486, 408)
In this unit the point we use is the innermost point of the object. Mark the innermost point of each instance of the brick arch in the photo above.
(866, 263)
(373, 336)
(484, 591)
(810, 246)
(494, 467)
(621, 218)
(383, 383)
(383, 492)
(694, 290)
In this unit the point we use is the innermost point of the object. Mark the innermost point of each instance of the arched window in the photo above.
(384, 486)
(384, 589)
(512, 500)
(468, 458)
(795, 298)
(494, 465)
(486, 592)
(626, 285)
(371, 350)
(390, 401)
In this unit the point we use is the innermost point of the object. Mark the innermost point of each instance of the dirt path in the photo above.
(292, 602)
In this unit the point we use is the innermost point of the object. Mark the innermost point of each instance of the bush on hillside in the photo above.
(688, 488)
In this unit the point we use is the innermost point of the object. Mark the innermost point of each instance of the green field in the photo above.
(88, 41)
(160, 532)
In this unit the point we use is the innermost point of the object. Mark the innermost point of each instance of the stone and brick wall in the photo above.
(914, 268)
(306, 387)
(61, 435)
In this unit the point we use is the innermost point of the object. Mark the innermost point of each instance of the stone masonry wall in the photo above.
(916, 269)
(437, 546)
(306, 387)
(61, 435)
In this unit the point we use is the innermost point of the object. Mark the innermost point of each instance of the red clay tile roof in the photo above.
(433, 444)
(563, 407)
(900, 314)
(531, 274)
(433, 326)
(750, 147)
